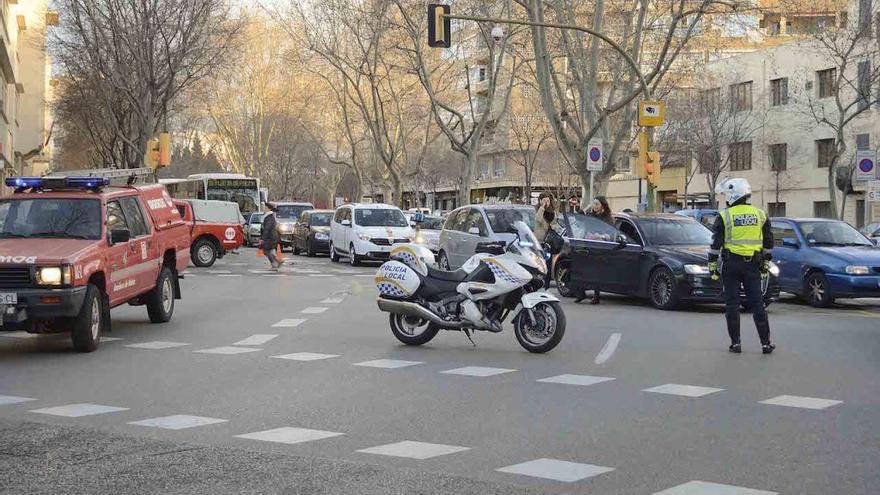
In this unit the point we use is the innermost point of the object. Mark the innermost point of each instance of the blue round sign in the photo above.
(866, 165)
(595, 154)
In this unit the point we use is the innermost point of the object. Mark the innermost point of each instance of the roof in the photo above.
(668, 216)
(371, 206)
(112, 191)
(801, 219)
(319, 211)
(292, 203)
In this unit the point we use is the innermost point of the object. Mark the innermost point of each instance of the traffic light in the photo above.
(164, 149)
(439, 26)
(151, 155)
(652, 167)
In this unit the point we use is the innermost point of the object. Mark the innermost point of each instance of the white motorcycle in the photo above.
(496, 283)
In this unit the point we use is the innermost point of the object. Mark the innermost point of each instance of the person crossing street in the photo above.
(742, 238)
(271, 237)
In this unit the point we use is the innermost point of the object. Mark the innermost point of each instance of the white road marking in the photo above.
(682, 390)
(552, 469)
(801, 402)
(11, 399)
(25, 335)
(289, 323)
(582, 380)
(227, 350)
(177, 422)
(388, 363)
(333, 300)
(414, 450)
(229, 275)
(477, 371)
(289, 435)
(110, 339)
(78, 410)
(313, 310)
(219, 272)
(257, 339)
(275, 275)
(321, 275)
(156, 345)
(608, 349)
(705, 488)
(306, 356)
(261, 272)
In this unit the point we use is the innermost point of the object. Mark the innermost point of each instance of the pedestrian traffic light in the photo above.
(439, 26)
(164, 149)
(151, 154)
(652, 167)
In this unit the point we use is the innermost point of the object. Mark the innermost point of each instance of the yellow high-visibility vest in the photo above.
(742, 229)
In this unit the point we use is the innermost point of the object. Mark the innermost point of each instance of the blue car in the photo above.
(821, 260)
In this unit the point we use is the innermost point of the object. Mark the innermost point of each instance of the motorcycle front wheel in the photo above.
(547, 330)
(411, 330)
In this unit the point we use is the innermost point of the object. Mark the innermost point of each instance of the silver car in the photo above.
(470, 225)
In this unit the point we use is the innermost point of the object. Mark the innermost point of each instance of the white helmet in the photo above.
(733, 189)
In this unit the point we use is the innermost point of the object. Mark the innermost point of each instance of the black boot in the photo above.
(768, 348)
(735, 348)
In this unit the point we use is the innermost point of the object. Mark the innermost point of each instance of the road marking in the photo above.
(609, 348)
(321, 275)
(257, 339)
(414, 450)
(683, 390)
(177, 422)
(11, 399)
(110, 339)
(229, 275)
(238, 264)
(313, 310)
(289, 323)
(552, 469)
(289, 435)
(261, 272)
(25, 335)
(477, 371)
(275, 275)
(156, 345)
(219, 272)
(78, 410)
(333, 300)
(227, 350)
(366, 275)
(582, 380)
(388, 363)
(306, 356)
(801, 402)
(706, 488)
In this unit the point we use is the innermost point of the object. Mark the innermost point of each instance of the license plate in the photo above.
(8, 298)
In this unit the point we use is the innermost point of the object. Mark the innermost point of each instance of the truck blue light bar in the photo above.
(90, 183)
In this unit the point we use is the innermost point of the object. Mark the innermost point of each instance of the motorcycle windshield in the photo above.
(526, 238)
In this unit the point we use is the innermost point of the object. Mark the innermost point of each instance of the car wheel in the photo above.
(561, 275)
(818, 293)
(203, 253)
(333, 256)
(353, 257)
(160, 300)
(89, 324)
(662, 289)
(443, 261)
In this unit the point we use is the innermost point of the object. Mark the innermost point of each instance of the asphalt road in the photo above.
(320, 421)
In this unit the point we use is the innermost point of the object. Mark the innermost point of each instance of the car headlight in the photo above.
(364, 237)
(773, 268)
(285, 227)
(321, 237)
(53, 275)
(857, 270)
(696, 269)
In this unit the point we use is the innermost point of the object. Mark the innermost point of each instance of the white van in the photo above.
(361, 231)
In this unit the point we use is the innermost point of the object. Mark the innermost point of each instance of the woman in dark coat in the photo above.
(599, 209)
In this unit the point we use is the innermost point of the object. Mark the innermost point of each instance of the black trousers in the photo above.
(737, 270)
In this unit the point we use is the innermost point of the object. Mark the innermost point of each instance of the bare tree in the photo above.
(530, 134)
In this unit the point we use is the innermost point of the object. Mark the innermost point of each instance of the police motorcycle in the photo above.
(496, 283)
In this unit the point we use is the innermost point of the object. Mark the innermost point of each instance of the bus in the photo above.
(237, 188)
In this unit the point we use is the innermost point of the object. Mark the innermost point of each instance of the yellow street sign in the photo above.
(650, 113)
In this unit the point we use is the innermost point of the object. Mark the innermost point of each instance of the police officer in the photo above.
(743, 240)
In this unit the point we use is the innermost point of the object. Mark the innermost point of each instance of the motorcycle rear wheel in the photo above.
(411, 330)
(548, 329)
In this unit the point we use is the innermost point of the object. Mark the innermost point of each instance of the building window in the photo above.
(779, 91)
(498, 167)
(704, 160)
(484, 170)
(824, 152)
(710, 99)
(740, 156)
(864, 84)
(825, 81)
(863, 141)
(776, 209)
(864, 15)
(481, 75)
(778, 157)
(740, 97)
(822, 209)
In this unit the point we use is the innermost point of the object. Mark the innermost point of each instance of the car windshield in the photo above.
(51, 218)
(832, 234)
(502, 220)
(432, 223)
(320, 219)
(257, 218)
(672, 231)
(379, 217)
(590, 228)
(292, 212)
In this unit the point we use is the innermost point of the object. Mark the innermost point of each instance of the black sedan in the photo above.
(663, 258)
(311, 233)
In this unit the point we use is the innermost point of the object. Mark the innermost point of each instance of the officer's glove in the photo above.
(765, 268)
(713, 270)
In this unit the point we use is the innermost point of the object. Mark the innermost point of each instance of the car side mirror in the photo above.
(790, 242)
(474, 231)
(493, 247)
(119, 235)
(621, 240)
(346, 223)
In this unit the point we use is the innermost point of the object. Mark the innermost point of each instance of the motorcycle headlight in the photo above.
(321, 237)
(773, 268)
(364, 237)
(696, 269)
(418, 239)
(53, 275)
(857, 270)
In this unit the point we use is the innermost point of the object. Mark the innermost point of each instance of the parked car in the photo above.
(312, 233)
(822, 260)
(366, 231)
(287, 214)
(215, 228)
(472, 224)
(428, 232)
(661, 257)
(253, 229)
(705, 216)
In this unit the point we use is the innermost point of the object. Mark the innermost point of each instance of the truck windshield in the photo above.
(50, 218)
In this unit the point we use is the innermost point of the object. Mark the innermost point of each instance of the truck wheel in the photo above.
(160, 300)
(203, 253)
(88, 325)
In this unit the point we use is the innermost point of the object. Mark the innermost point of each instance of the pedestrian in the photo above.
(546, 230)
(599, 209)
(742, 238)
(270, 237)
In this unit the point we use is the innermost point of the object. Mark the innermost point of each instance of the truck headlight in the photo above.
(53, 275)
(696, 269)
(857, 270)
(364, 237)
(321, 237)
(773, 268)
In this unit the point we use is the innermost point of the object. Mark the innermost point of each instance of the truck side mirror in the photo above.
(119, 235)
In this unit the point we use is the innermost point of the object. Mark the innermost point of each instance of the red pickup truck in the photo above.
(216, 228)
(71, 248)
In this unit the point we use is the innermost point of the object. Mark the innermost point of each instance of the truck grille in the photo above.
(15, 276)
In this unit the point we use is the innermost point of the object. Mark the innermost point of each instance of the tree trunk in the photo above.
(464, 187)
(832, 189)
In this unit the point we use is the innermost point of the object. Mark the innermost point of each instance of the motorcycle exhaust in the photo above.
(407, 308)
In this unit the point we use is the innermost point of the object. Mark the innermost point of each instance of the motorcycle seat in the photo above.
(453, 276)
